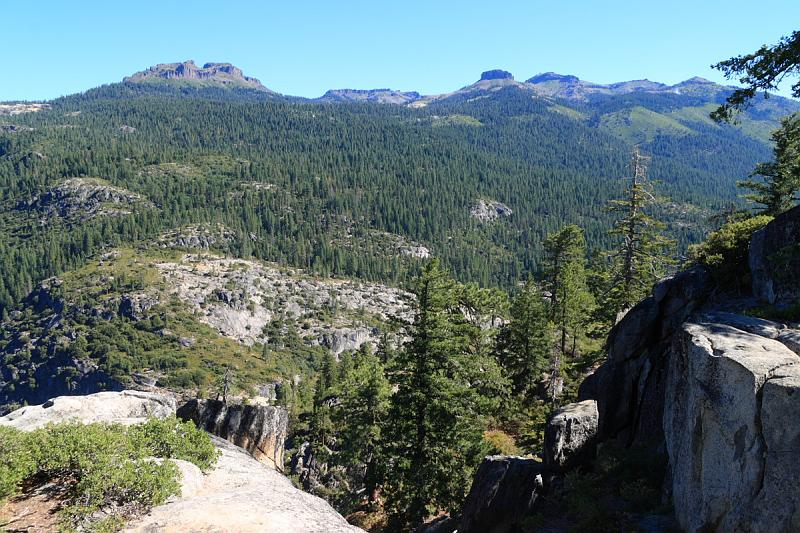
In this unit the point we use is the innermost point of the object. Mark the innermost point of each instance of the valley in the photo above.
(491, 309)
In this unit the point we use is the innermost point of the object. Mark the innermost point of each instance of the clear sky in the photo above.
(302, 47)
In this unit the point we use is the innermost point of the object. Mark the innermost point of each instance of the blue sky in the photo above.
(52, 48)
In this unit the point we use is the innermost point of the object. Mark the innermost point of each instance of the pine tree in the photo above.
(526, 342)
(777, 191)
(641, 256)
(571, 303)
(437, 415)
(364, 404)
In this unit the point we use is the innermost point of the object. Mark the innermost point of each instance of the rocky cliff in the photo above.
(691, 373)
(695, 381)
(224, 74)
(259, 429)
(240, 494)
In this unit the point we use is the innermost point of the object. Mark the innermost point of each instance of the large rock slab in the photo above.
(629, 386)
(242, 495)
(259, 429)
(504, 489)
(126, 407)
(774, 259)
(730, 400)
(570, 438)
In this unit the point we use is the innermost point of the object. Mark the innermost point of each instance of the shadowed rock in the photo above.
(259, 429)
(504, 490)
(775, 259)
(570, 436)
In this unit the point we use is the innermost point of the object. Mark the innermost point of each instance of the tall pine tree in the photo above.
(443, 377)
(641, 256)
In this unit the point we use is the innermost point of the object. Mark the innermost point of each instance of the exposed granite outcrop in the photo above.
(504, 489)
(259, 429)
(570, 436)
(775, 260)
(629, 386)
(731, 399)
(490, 210)
(239, 494)
(244, 496)
(126, 407)
(80, 199)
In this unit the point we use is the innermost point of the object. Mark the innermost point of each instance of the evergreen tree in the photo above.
(437, 415)
(762, 70)
(571, 303)
(777, 191)
(526, 342)
(364, 404)
(641, 255)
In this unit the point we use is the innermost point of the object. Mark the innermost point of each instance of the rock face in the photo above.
(342, 340)
(243, 495)
(126, 407)
(717, 390)
(570, 436)
(259, 429)
(380, 96)
(490, 210)
(219, 73)
(629, 386)
(731, 399)
(84, 199)
(505, 488)
(496, 74)
(775, 260)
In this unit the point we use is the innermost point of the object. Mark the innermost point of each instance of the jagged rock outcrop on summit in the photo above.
(570, 436)
(496, 74)
(504, 489)
(224, 74)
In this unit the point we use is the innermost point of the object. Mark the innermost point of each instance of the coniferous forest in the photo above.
(475, 250)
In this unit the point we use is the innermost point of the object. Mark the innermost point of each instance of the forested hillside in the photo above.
(333, 187)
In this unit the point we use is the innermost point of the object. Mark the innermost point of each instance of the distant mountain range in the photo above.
(548, 84)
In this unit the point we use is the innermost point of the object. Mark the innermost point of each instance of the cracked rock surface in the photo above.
(244, 496)
(730, 396)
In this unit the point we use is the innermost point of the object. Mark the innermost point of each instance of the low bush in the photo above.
(725, 251)
(106, 467)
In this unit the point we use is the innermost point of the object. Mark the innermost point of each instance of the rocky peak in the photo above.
(552, 76)
(381, 96)
(224, 74)
(496, 74)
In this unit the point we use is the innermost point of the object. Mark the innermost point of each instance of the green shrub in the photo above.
(16, 461)
(171, 438)
(103, 466)
(724, 251)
